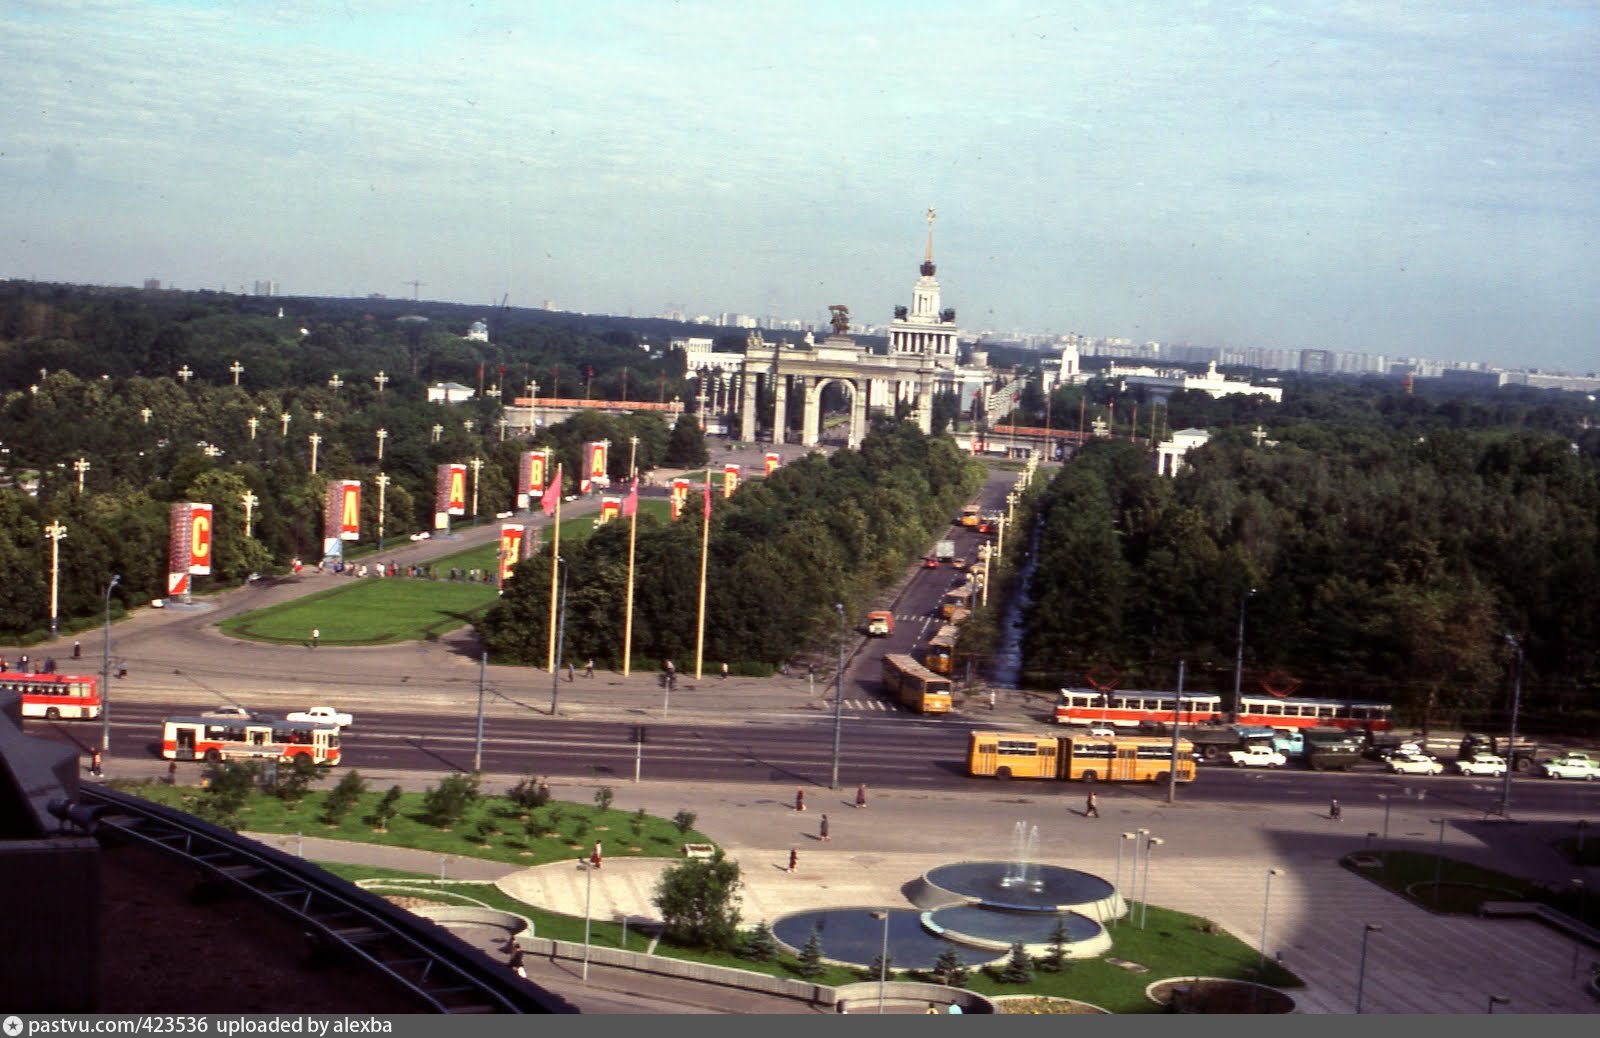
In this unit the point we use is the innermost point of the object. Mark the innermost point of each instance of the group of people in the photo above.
(823, 832)
(27, 666)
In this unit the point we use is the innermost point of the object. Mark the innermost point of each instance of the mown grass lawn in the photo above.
(368, 612)
(385, 611)
(493, 827)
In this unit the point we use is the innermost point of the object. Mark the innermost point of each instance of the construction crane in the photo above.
(416, 287)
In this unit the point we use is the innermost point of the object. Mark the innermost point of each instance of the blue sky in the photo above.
(1410, 178)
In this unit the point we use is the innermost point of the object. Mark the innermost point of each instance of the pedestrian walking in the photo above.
(94, 762)
(572, 672)
(77, 649)
(172, 773)
(794, 858)
(316, 636)
(1091, 809)
(1334, 810)
(588, 668)
(596, 858)
(822, 829)
(516, 963)
(861, 795)
(724, 670)
(800, 800)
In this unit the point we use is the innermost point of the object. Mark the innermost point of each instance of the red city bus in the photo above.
(218, 739)
(55, 696)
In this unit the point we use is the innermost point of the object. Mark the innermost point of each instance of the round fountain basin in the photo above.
(1030, 888)
(999, 928)
(856, 936)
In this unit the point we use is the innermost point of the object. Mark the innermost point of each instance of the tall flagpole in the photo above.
(555, 558)
(633, 530)
(705, 544)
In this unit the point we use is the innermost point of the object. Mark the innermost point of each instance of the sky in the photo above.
(1408, 178)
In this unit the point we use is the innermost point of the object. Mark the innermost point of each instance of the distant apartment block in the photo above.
(266, 288)
(152, 284)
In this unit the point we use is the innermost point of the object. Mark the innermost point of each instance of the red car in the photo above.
(930, 563)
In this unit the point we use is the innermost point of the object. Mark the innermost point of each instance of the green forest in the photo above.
(94, 374)
(1374, 545)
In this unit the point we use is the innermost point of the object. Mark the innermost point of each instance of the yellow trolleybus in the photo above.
(915, 686)
(1076, 758)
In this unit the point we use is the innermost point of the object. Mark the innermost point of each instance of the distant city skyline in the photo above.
(1412, 179)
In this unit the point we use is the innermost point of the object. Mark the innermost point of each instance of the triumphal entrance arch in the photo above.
(921, 360)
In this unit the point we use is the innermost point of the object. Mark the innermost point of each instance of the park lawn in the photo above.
(384, 611)
(1463, 886)
(492, 828)
(368, 612)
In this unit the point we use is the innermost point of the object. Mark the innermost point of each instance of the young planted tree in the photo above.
(1019, 967)
(1055, 960)
(699, 902)
(759, 944)
(384, 810)
(810, 965)
(445, 804)
(948, 969)
(342, 798)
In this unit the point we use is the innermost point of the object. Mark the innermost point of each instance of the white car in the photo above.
(1482, 764)
(236, 713)
(1414, 764)
(1102, 733)
(321, 715)
(1572, 766)
(1257, 757)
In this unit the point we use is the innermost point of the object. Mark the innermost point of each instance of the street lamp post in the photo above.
(561, 637)
(1150, 844)
(1238, 658)
(883, 959)
(1438, 861)
(1177, 723)
(1361, 973)
(1266, 904)
(382, 480)
(105, 675)
(588, 893)
(382, 434)
(1577, 944)
(838, 701)
(1117, 886)
(1511, 741)
(57, 532)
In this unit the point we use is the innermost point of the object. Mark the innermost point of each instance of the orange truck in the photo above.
(880, 623)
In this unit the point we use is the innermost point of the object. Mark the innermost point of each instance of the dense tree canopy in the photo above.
(783, 553)
(1384, 563)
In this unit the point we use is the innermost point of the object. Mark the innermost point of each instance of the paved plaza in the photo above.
(1212, 863)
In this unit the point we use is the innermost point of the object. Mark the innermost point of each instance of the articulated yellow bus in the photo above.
(915, 686)
(940, 653)
(1075, 758)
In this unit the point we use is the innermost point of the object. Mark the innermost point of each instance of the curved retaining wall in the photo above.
(725, 976)
(863, 997)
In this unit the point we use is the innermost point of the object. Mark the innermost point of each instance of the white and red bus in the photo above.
(1284, 712)
(1088, 706)
(55, 696)
(218, 739)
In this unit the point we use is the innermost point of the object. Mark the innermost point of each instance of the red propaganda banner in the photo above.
(730, 479)
(449, 494)
(594, 466)
(199, 540)
(350, 510)
(680, 498)
(341, 517)
(530, 478)
(511, 537)
(773, 461)
(178, 549)
(610, 508)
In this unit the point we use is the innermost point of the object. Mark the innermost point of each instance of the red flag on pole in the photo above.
(552, 493)
(630, 504)
(708, 495)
